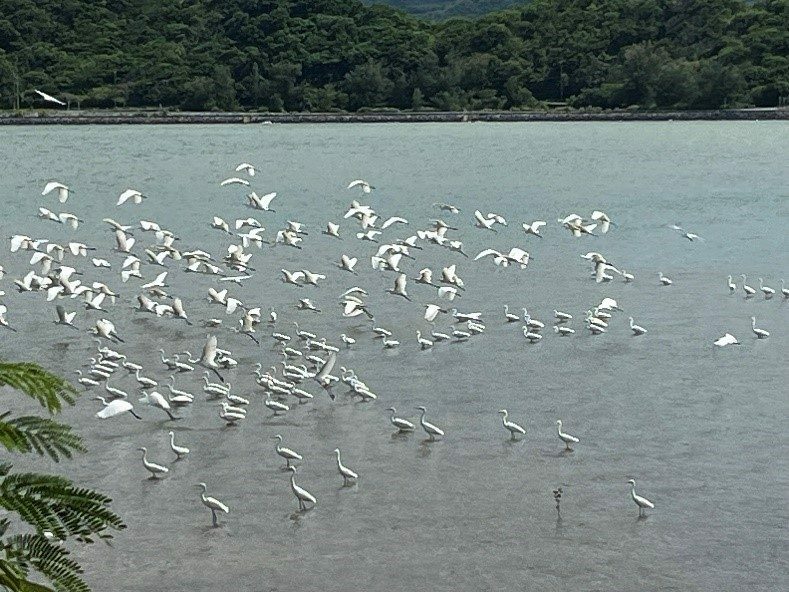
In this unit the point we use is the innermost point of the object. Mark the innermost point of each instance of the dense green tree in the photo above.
(48, 512)
(343, 54)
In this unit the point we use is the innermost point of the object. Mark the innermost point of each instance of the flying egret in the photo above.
(365, 186)
(248, 168)
(641, 502)
(48, 98)
(212, 504)
(130, 194)
(114, 408)
(602, 220)
(261, 202)
(534, 227)
(727, 339)
(234, 181)
(63, 191)
(564, 437)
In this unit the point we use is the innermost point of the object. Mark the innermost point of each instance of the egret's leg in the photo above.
(213, 518)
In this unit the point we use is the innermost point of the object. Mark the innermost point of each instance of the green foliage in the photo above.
(51, 506)
(325, 55)
(438, 9)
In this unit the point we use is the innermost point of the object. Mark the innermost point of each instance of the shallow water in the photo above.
(702, 431)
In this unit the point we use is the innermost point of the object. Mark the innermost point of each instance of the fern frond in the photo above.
(31, 433)
(48, 389)
(49, 559)
(52, 503)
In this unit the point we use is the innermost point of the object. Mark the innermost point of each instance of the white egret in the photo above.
(248, 168)
(641, 502)
(663, 279)
(48, 98)
(286, 453)
(749, 291)
(212, 504)
(234, 181)
(346, 473)
(564, 437)
(154, 469)
(563, 331)
(130, 194)
(727, 339)
(534, 227)
(637, 330)
(767, 291)
(511, 426)
(261, 202)
(402, 425)
(180, 451)
(760, 333)
(364, 185)
(302, 495)
(114, 408)
(431, 429)
(731, 285)
(63, 191)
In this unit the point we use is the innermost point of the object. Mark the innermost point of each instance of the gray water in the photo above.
(702, 431)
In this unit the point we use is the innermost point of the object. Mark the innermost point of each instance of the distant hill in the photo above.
(438, 9)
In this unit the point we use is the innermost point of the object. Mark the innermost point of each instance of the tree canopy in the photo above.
(49, 510)
(323, 55)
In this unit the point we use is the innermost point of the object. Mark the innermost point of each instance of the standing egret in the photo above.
(286, 453)
(345, 472)
(767, 291)
(760, 333)
(637, 329)
(180, 451)
(784, 290)
(731, 285)
(402, 425)
(513, 427)
(749, 291)
(154, 469)
(566, 438)
(432, 430)
(663, 279)
(302, 495)
(641, 502)
(212, 504)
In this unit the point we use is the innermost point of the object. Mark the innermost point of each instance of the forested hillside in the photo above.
(323, 55)
(438, 9)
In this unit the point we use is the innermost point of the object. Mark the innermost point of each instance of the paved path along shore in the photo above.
(49, 117)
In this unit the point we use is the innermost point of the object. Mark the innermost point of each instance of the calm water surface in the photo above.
(702, 431)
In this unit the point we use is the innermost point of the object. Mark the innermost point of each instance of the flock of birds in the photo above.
(307, 359)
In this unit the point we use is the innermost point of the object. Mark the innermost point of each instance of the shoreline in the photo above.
(113, 117)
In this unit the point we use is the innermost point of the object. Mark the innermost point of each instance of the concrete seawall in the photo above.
(51, 117)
